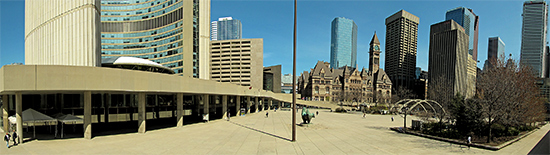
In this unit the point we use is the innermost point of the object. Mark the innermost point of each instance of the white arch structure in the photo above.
(412, 103)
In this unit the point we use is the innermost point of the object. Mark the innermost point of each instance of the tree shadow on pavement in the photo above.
(260, 131)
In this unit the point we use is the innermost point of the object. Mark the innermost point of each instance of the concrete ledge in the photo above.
(488, 147)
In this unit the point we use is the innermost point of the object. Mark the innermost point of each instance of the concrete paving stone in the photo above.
(329, 133)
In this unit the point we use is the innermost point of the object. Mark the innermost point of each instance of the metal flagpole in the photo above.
(294, 80)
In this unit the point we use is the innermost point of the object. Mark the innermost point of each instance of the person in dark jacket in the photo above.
(14, 137)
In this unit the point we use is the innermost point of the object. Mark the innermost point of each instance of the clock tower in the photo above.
(374, 54)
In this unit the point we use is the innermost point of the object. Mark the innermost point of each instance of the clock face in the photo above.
(376, 47)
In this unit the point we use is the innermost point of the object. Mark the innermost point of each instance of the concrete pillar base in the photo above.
(18, 115)
(87, 115)
(179, 105)
(5, 113)
(141, 113)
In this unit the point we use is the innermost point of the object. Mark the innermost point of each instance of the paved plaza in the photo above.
(329, 133)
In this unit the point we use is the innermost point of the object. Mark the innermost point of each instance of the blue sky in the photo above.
(273, 21)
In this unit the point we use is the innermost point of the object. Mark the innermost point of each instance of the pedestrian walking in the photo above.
(392, 118)
(317, 112)
(364, 114)
(266, 114)
(7, 139)
(228, 115)
(469, 141)
(14, 137)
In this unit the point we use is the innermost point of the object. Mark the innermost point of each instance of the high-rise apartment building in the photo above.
(401, 44)
(68, 35)
(533, 36)
(495, 50)
(448, 57)
(173, 33)
(343, 44)
(214, 30)
(470, 22)
(238, 61)
(226, 28)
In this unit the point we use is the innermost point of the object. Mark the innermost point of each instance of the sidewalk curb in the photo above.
(488, 147)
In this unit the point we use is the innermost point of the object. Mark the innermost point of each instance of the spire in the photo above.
(375, 39)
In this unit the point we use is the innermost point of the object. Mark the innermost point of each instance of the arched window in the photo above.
(327, 90)
(316, 89)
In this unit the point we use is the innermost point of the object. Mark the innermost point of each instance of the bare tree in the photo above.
(440, 90)
(507, 95)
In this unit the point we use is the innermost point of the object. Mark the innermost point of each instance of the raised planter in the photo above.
(488, 147)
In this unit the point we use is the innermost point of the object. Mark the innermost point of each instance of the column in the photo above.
(270, 103)
(256, 103)
(87, 115)
(18, 114)
(248, 104)
(179, 110)
(224, 106)
(5, 113)
(156, 111)
(206, 104)
(106, 107)
(238, 106)
(142, 115)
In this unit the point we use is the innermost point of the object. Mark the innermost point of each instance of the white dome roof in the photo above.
(132, 61)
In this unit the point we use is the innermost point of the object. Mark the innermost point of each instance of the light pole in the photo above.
(294, 80)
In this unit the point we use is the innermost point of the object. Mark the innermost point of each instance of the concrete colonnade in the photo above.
(105, 99)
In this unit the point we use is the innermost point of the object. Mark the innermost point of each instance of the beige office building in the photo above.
(62, 32)
(472, 74)
(239, 61)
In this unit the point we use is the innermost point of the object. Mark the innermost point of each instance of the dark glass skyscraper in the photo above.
(343, 46)
(469, 21)
(495, 50)
(533, 36)
(226, 28)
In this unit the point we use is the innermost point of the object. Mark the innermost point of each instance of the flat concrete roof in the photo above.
(44, 79)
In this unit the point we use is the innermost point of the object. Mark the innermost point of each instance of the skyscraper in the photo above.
(401, 40)
(448, 57)
(470, 22)
(172, 33)
(533, 36)
(495, 50)
(343, 43)
(226, 28)
(214, 30)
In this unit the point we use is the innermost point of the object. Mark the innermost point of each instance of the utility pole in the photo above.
(294, 80)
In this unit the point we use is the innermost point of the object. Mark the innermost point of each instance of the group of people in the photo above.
(13, 137)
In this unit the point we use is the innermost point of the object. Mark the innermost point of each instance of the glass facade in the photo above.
(495, 48)
(343, 46)
(533, 36)
(465, 18)
(226, 28)
(148, 29)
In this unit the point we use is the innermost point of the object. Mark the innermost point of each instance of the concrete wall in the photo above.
(62, 32)
(36, 79)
